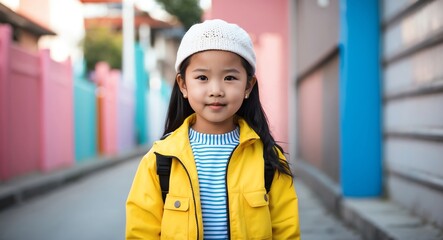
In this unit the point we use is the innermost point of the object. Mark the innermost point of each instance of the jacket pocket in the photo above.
(175, 221)
(257, 215)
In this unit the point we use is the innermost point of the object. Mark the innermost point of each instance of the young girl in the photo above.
(218, 137)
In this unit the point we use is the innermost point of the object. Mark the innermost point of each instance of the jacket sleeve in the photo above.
(144, 205)
(284, 208)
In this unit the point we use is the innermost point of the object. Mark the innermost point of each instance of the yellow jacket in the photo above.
(253, 214)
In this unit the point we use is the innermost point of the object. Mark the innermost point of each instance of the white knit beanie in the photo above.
(216, 35)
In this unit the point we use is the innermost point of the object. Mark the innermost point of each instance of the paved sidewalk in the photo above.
(316, 222)
(373, 218)
(16, 191)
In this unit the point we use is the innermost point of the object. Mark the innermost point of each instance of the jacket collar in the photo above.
(177, 143)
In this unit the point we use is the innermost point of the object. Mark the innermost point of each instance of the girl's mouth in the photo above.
(216, 105)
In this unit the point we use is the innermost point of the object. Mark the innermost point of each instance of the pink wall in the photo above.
(267, 23)
(36, 125)
(57, 113)
(20, 126)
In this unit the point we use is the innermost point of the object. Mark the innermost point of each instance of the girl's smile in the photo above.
(216, 106)
(215, 84)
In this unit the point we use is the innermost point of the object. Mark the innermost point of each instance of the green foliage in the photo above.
(102, 44)
(188, 12)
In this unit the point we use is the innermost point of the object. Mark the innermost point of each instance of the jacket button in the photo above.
(177, 204)
(266, 197)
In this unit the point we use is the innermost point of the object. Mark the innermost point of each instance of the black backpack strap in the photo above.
(163, 172)
(269, 175)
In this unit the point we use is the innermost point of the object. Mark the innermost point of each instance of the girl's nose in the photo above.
(216, 89)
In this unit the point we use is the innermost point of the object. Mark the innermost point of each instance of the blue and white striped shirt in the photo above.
(211, 153)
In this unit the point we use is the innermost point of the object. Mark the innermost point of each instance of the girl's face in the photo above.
(216, 85)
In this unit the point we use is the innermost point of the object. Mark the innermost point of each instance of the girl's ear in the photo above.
(182, 85)
(250, 84)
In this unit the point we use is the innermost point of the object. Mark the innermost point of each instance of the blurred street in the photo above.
(90, 208)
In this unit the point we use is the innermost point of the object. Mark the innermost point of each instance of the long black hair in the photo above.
(251, 111)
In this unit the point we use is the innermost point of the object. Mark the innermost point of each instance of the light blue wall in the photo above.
(85, 116)
(142, 83)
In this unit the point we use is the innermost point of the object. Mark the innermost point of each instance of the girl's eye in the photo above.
(201, 77)
(230, 78)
